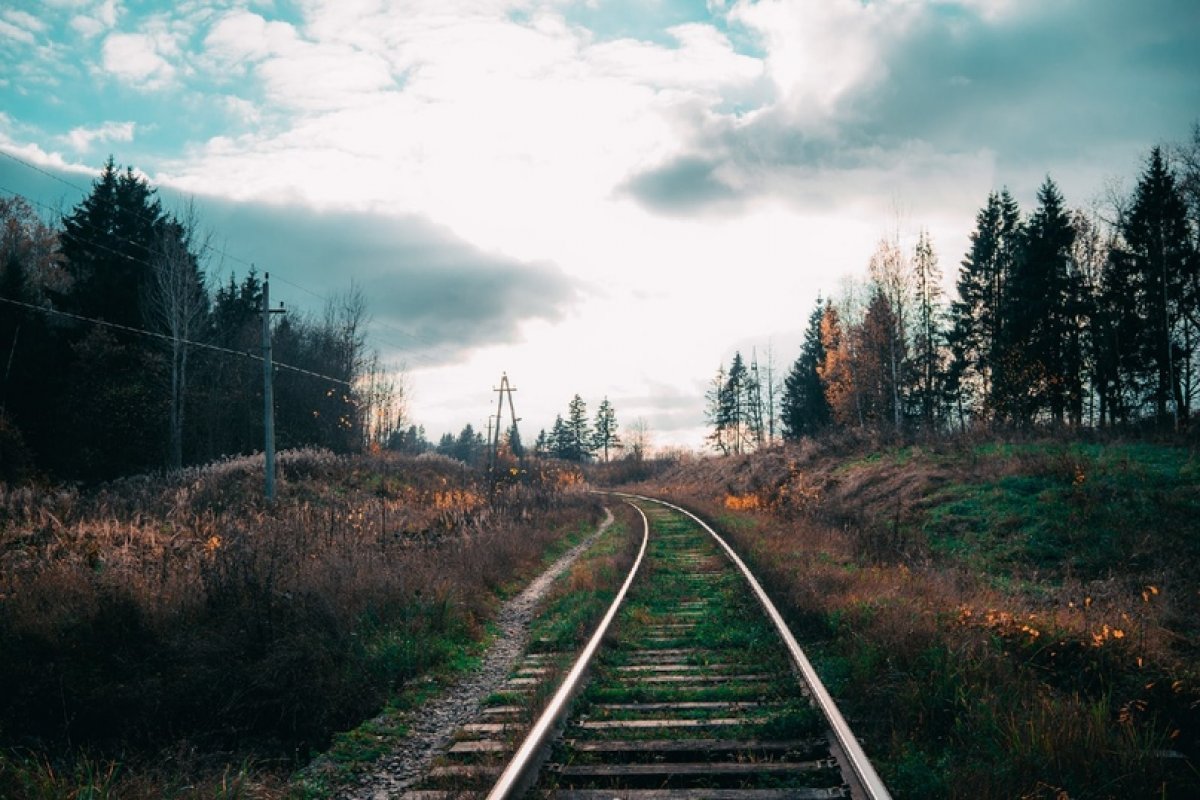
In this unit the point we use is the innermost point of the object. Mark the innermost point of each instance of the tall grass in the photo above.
(1049, 653)
(175, 613)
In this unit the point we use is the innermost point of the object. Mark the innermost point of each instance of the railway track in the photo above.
(690, 687)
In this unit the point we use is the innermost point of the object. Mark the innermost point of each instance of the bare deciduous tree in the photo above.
(177, 302)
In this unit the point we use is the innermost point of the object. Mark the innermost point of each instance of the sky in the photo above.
(602, 197)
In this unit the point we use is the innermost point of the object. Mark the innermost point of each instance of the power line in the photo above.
(205, 246)
(144, 262)
(163, 336)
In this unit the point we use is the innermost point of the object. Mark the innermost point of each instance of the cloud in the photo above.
(437, 293)
(241, 36)
(685, 185)
(704, 60)
(135, 59)
(102, 17)
(81, 139)
(324, 78)
(874, 98)
(295, 73)
(436, 296)
(8, 30)
(24, 19)
(87, 27)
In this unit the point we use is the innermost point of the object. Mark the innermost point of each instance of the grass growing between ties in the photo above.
(579, 598)
(996, 620)
(175, 637)
(566, 618)
(693, 691)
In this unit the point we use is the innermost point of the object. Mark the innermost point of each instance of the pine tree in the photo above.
(469, 446)
(1163, 262)
(733, 407)
(604, 435)
(928, 334)
(108, 242)
(1119, 330)
(891, 281)
(1039, 372)
(978, 320)
(756, 426)
(874, 366)
(715, 413)
(561, 441)
(579, 430)
(513, 439)
(805, 411)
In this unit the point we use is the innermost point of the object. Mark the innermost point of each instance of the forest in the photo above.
(1063, 318)
(122, 355)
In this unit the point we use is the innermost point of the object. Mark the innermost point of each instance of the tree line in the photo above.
(120, 356)
(1062, 317)
(574, 437)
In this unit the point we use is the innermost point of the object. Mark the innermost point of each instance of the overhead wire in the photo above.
(207, 246)
(173, 339)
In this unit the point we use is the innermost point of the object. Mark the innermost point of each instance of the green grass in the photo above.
(1077, 510)
(438, 653)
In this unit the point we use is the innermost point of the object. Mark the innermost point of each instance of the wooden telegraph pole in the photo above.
(268, 390)
(494, 434)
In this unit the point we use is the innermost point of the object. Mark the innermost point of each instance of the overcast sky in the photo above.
(603, 197)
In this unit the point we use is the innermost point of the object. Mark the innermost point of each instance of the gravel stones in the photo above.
(432, 726)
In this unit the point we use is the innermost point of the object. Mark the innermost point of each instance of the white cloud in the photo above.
(87, 27)
(705, 61)
(81, 139)
(106, 12)
(320, 78)
(15, 32)
(242, 110)
(24, 20)
(135, 59)
(91, 23)
(517, 132)
(818, 52)
(241, 36)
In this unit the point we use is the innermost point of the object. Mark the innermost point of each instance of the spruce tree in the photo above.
(109, 241)
(1038, 317)
(978, 318)
(1162, 262)
(604, 433)
(804, 409)
(928, 334)
(578, 431)
(560, 439)
(733, 406)
(715, 413)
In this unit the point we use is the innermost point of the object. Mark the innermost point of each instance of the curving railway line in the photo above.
(691, 687)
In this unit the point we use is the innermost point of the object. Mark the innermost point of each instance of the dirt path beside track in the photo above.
(432, 725)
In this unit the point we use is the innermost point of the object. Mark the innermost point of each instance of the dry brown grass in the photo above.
(182, 613)
(962, 684)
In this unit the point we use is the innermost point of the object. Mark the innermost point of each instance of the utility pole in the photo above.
(494, 434)
(268, 390)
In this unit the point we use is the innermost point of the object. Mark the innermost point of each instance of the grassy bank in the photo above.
(998, 620)
(178, 638)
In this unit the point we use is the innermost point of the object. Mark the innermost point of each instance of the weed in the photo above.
(997, 619)
(155, 612)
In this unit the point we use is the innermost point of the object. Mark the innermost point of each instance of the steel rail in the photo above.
(859, 763)
(522, 768)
